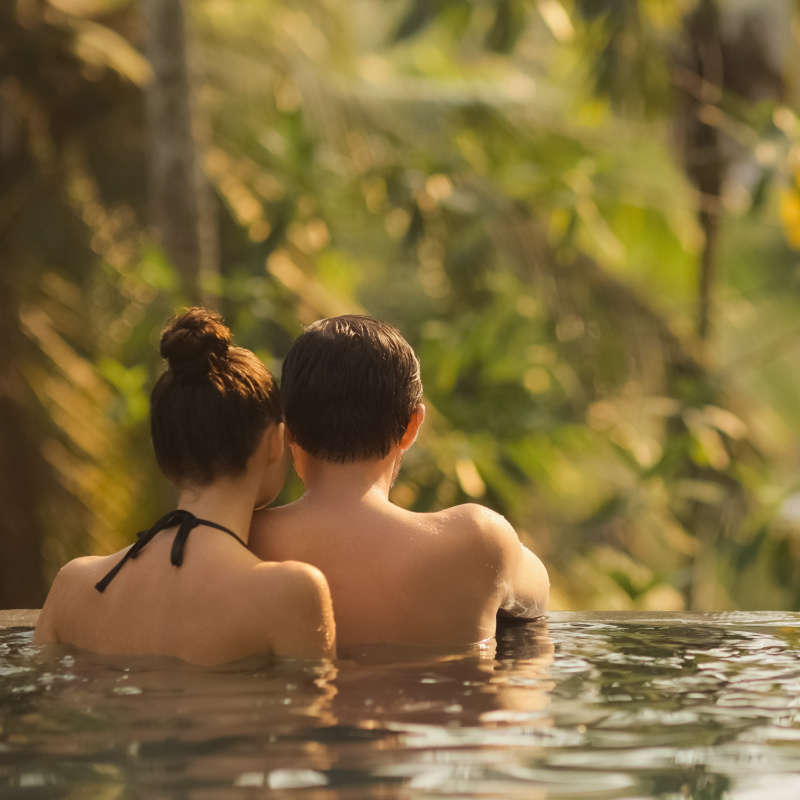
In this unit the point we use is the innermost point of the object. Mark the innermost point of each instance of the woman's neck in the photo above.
(226, 501)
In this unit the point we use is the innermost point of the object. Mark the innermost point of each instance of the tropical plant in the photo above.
(504, 182)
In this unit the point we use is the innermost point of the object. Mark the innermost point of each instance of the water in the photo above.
(579, 706)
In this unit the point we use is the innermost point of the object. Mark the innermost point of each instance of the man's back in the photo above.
(401, 577)
(352, 394)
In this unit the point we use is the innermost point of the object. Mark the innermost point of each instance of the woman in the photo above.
(189, 587)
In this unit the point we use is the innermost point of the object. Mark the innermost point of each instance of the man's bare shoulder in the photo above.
(518, 571)
(475, 519)
(266, 520)
(474, 512)
(266, 516)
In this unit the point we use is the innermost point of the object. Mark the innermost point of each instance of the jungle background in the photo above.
(584, 215)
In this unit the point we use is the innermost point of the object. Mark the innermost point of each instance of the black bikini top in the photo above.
(186, 520)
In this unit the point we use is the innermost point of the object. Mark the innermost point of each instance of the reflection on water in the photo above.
(593, 706)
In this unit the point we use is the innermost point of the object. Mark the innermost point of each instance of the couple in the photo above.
(272, 581)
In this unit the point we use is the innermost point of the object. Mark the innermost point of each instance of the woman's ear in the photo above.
(276, 442)
(414, 424)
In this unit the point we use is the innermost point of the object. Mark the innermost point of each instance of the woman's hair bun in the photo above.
(194, 342)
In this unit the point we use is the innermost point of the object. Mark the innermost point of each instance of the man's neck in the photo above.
(348, 483)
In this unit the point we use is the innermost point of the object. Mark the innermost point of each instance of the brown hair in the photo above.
(213, 402)
(349, 387)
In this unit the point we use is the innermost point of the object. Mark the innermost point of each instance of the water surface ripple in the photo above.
(579, 705)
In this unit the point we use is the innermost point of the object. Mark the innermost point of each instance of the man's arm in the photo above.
(522, 578)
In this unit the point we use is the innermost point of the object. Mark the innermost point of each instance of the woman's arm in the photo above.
(45, 630)
(306, 629)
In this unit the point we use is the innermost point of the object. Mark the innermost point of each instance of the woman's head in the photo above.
(213, 403)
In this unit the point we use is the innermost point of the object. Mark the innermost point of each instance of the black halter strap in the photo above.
(186, 522)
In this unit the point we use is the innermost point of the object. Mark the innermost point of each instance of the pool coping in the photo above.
(19, 617)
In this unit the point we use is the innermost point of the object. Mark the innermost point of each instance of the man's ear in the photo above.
(414, 424)
(290, 440)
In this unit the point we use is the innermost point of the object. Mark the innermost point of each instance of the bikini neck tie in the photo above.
(186, 522)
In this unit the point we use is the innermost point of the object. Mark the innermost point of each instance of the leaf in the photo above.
(507, 27)
(592, 9)
(790, 214)
(417, 18)
(759, 194)
(97, 44)
(90, 8)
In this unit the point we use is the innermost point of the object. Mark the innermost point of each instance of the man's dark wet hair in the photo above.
(210, 407)
(350, 385)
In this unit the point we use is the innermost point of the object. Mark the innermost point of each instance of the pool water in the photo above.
(578, 706)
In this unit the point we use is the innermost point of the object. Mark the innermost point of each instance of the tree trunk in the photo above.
(26, 477)
(181, 209)
(703, 157)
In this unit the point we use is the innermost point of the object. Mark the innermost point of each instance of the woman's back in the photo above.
(222, 604)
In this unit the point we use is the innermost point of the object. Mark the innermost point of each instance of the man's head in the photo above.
(350, 385)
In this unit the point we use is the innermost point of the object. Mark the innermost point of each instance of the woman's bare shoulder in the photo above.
(292, 578)
(80, 575)
(70, 582)
(81, 568)
(300, 606)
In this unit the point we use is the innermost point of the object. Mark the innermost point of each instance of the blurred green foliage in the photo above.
(529, 190)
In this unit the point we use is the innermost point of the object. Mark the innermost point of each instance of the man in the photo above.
(353, 405)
